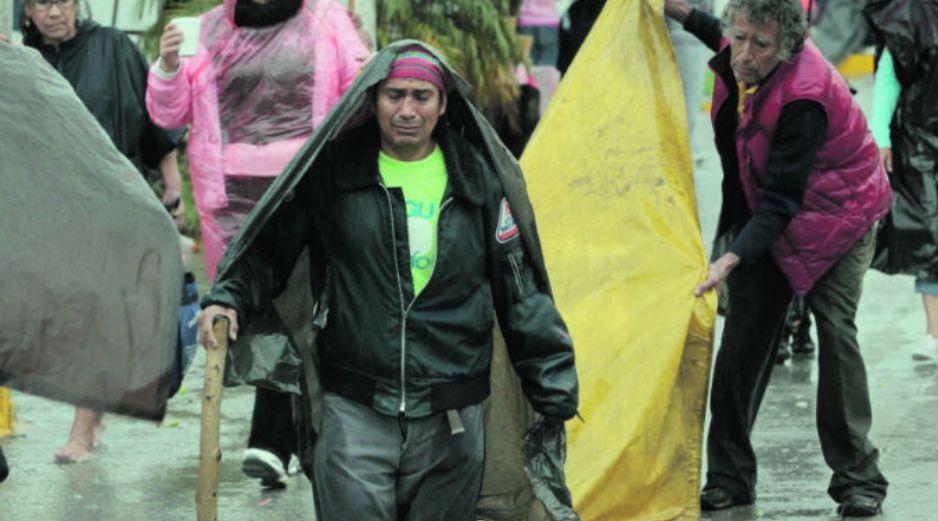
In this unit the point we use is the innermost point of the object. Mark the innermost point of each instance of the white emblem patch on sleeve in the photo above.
(507, 229)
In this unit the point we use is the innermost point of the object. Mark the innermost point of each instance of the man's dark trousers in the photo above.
(371, 467)
(759, 295)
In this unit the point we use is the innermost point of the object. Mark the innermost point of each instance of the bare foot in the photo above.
(83, 438)
(99, 429)
(74, 451)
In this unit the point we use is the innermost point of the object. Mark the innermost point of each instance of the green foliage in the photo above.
(477, 37)
(169, 9)
(190, 226)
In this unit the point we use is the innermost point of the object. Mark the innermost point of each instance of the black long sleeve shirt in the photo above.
(799, 134)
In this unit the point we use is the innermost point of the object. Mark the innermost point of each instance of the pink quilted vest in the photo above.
(847, 190)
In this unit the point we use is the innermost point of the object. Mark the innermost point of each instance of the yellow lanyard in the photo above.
(743, 94)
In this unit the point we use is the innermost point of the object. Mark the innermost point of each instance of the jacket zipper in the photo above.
(516, 271)
(439, 221)
(400, 294)
(406, 310)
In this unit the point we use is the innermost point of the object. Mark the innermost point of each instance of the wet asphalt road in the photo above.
(147, 472)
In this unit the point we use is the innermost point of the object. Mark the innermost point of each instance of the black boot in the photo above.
(801, 342)
(4, 469)
(784, 350)
(784, 338)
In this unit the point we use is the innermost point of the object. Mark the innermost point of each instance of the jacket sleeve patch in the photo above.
(507, 229)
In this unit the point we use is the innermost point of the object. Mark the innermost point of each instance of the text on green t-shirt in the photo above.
(423, 183)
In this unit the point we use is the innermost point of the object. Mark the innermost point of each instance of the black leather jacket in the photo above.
(380, 345)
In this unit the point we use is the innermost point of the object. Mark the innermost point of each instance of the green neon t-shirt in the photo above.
(423, 183)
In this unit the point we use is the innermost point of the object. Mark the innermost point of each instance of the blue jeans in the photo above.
(546, 44)
(926, 286)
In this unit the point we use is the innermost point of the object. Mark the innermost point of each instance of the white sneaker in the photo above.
(927, 351)
(294, 467)
(264, 465)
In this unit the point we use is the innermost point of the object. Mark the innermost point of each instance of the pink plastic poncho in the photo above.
(538, 13)
(253, 96)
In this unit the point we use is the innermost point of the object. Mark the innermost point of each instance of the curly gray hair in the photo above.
(792, 26)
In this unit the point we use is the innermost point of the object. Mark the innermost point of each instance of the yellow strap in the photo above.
(744, 93)
(7, 414)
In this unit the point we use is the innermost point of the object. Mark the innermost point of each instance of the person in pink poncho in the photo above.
(264, 75)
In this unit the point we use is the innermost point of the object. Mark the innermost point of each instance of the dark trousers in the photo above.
(4, 469)
(372, 467)
(759, 296)
(272, 425)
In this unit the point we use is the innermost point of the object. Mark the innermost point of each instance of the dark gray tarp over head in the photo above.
(267, 352)
(90, 266)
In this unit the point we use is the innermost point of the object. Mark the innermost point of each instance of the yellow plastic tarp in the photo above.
(7, 415)
(610, 176)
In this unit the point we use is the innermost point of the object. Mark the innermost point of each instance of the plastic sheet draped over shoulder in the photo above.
(518, 485)
(90, 267)
(908, 240)
(610, 175)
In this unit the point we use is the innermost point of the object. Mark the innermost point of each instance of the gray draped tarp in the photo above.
(90, 266)
(523, 477)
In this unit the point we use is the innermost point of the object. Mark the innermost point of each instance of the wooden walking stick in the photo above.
(206, 498)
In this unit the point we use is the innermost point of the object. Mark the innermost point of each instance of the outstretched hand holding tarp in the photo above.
(90, 268)
(610, 175)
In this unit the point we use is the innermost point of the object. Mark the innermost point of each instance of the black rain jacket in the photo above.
(379, 344)
(109, 75)
(908, 240)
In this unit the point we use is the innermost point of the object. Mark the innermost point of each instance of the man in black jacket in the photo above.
(414, 251)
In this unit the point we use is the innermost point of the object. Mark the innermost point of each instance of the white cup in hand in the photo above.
(189, 26)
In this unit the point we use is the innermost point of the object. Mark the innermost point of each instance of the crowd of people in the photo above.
(813, 195)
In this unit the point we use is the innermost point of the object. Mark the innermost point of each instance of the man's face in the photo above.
(753, 49)
(408, 111)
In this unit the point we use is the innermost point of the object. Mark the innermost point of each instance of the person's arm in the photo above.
(172, 184)
(169, 97)
(886, 90)
(363, 35)
(800, 133)
(350, 50)
(538, 343)
(701, 24)
(157, 146)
